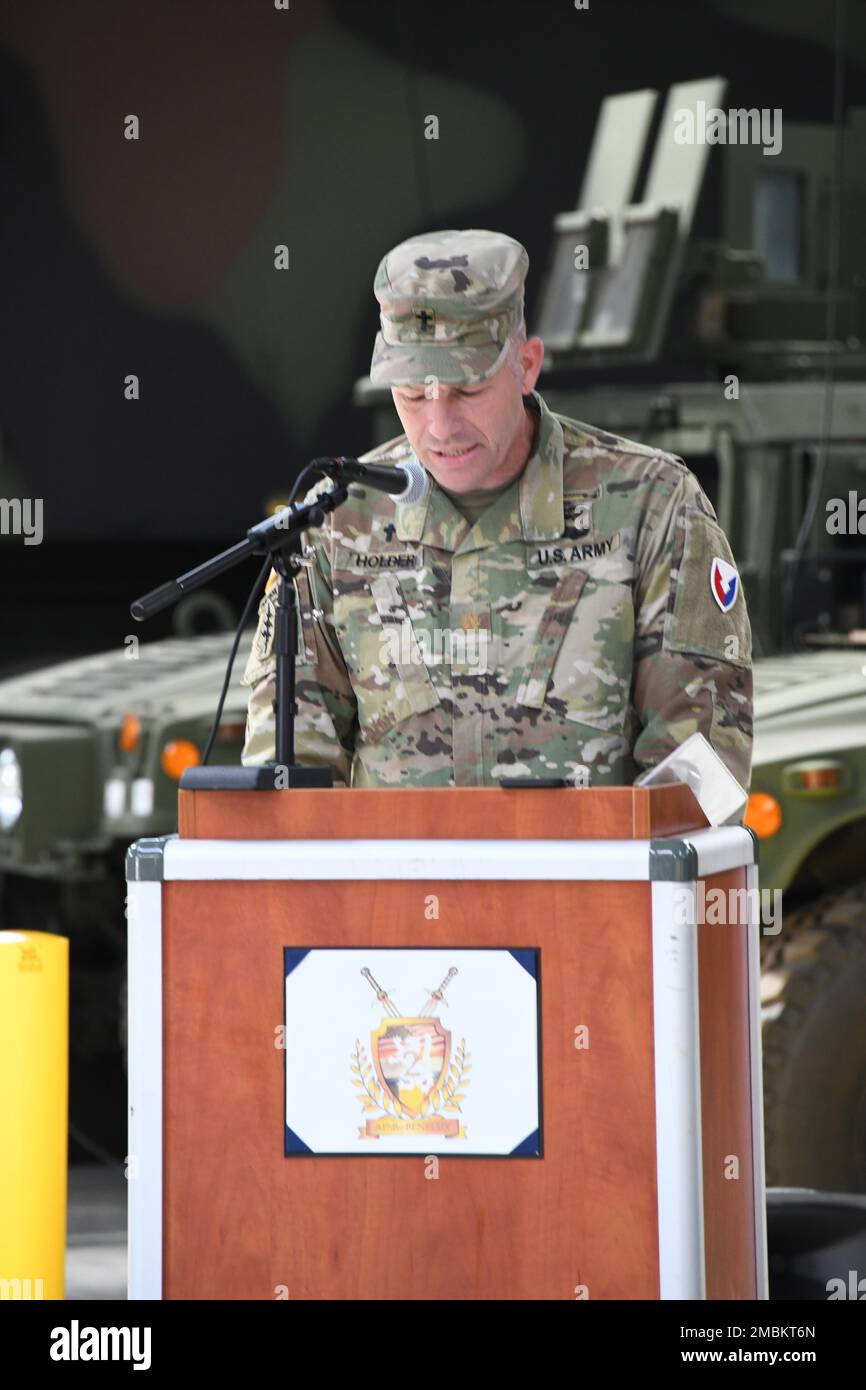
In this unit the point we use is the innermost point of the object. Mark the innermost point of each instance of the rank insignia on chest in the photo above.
(578, 516)
(267, 622)
(724, 583)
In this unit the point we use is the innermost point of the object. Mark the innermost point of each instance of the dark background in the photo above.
(259, 126)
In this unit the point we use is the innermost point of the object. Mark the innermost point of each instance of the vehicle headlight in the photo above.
(11, 793)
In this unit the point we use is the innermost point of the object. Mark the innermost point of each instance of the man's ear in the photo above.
(531, 358)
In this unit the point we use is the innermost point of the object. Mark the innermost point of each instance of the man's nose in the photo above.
(442, 419)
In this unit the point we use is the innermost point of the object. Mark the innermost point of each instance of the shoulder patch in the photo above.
(706, 613)
(724, 583)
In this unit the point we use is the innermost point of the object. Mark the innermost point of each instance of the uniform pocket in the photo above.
(306, 629)
(413, 690)
(581, 662)
(389, 676)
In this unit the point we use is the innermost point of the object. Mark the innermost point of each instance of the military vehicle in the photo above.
(808, 805)
(90, 756)
(775, 431)
(715, 347)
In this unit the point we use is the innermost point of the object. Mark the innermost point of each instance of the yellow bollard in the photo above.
(34, 1103)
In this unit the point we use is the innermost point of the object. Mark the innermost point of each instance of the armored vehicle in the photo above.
(704, 321)
(90, 756)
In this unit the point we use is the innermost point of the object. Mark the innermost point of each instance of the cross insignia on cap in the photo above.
(426, 318)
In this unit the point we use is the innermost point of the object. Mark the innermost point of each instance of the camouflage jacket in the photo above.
(572, 632)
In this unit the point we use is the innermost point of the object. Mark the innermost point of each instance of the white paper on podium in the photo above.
(715, 788)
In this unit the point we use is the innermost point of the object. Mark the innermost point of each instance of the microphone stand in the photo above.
(285, 705)
(270, 537)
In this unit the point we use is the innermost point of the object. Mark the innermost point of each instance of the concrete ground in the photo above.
(96, 1232)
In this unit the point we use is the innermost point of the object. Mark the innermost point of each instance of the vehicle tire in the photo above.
(203, 613)
(813, 1003)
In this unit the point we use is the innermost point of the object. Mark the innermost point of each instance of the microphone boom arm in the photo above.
(273, 537)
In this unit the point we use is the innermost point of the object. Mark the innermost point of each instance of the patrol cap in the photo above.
(450, 303)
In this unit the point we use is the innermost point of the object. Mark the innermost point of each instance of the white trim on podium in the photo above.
(757, 1078)
(144, 1076)
(407, 859)
(677, 1042)
(614, 860)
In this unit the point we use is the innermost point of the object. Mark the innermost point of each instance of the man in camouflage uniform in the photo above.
(561, 604)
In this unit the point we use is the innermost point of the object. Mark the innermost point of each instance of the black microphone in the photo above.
(405, 481)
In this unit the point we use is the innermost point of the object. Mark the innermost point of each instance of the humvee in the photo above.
(716, 348)
(91, 751)
(700, 327)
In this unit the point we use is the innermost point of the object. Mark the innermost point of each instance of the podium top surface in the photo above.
(483, 813)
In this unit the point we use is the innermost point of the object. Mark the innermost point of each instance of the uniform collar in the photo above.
(530, 509)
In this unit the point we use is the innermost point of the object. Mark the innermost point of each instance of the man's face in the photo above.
(473, 436)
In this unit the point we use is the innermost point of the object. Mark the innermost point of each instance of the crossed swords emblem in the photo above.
(435, 997)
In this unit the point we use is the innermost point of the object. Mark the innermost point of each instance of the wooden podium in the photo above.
(643, 1175)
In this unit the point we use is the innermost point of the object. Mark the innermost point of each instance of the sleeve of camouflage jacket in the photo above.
(693, 663)
(327, 713)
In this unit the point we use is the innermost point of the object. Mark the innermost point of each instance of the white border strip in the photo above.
(144, 1067)
(407, 859)
(677, 1043)
(757, 1080)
